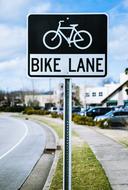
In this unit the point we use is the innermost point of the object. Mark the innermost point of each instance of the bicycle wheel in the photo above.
(52, 39)
(82, 39)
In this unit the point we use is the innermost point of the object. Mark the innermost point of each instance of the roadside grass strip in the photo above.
(124, 142)
(57, 127)
(87, 173)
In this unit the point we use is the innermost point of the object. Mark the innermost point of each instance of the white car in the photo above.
(53, 109)
(115, 118)
(102, 117)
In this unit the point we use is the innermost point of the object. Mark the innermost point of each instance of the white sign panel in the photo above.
(71, 65)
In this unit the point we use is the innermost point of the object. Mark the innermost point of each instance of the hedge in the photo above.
(83, 120)
(31, 111)
(104, 124)
(12, 109)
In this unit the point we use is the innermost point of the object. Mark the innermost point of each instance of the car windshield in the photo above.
(90, 109)
(54, 108)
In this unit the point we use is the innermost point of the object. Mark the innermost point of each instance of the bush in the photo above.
(54, 115)
(61, 116)
(12, 108)
(30, 111)
(103, 124)
(83, 120)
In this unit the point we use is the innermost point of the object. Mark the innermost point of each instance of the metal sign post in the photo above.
(67, 136)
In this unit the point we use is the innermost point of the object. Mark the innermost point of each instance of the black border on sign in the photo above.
(66, 76)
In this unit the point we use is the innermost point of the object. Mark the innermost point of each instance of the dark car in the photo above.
(98, 111)
(76, 109)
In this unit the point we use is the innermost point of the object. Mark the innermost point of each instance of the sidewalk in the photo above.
(112, 156)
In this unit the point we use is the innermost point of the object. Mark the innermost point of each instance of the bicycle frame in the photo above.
(73, 29)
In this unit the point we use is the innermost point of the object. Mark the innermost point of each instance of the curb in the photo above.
(54, 165)
(57, 141)
(55, 161)
(52, 171)
(55, 134)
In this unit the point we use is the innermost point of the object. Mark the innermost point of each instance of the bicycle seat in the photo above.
(74, 25)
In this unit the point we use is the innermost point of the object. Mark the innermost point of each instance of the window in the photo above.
(61, 86)
(100, 93)
(93, 93)
(121, 113)
(87, 94)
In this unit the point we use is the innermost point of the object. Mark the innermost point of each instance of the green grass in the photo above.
(58, 129)
(87, 173)
(124, 142)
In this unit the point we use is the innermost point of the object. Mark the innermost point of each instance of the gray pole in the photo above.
(67, 135)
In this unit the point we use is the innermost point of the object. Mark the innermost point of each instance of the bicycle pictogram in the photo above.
(82, 39)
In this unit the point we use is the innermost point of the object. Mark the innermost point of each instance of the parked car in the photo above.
(126, 108)
(83, 112)
(53, 109)
(98, 111)
(60, 111)
(119, 107)
(76, 109)
(117, 118)
(102, 117)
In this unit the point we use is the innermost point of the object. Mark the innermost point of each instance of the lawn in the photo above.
(124, 142)
(87, 173)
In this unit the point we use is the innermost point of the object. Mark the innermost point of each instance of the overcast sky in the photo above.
(13, 32)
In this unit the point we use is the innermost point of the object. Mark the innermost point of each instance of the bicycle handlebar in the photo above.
(61, 21)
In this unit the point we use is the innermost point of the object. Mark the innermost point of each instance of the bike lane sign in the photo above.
(67, 45)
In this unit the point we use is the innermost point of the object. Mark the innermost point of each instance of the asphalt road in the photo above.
(21, 144)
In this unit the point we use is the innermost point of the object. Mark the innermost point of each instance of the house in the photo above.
(118, 97)
(45, 100)
(108, 95)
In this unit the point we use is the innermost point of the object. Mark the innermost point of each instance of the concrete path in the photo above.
(112, 156)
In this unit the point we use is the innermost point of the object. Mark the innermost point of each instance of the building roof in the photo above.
(116, 90)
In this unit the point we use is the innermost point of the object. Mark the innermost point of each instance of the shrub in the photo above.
(73, 116)
(61, 116)
(30, 111)
(89, 121)
(103, 124)
(54, 115)
(83, 120)
(13, 108)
